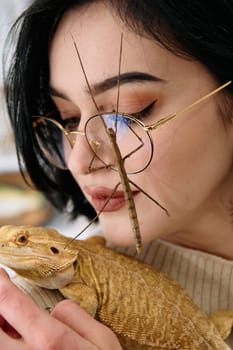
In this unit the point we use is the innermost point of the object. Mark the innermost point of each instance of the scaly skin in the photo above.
(145, 308)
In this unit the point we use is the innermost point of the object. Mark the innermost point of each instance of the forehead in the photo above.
(96, 31)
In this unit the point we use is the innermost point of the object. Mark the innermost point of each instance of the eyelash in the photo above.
(145, 112)
(72, 123)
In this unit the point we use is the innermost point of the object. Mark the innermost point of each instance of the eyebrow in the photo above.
(110, 83)
(124, 78)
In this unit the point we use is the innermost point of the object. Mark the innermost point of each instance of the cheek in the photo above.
(136, 149)
(189, 161)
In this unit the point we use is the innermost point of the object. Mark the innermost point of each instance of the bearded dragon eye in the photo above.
(22, 238)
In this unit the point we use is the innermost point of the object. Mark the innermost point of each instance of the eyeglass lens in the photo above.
(132, 140)
(53, 142)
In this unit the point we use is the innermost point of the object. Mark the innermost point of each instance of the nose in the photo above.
(82, 159)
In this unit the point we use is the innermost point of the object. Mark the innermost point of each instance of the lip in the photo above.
(103, 199)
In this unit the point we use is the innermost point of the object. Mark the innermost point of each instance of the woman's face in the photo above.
(190, 173)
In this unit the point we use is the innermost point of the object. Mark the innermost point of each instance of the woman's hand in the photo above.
(23, 326)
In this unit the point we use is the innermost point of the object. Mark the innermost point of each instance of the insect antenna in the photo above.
(85, 75)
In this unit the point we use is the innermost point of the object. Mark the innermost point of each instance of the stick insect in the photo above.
(124, 179)
(111, 133)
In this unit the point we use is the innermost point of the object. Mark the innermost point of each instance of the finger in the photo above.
(38, 329)
(81, 322)
(14, 303)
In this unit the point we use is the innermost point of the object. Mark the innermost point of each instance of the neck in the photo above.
(222, 247)
(211, 230)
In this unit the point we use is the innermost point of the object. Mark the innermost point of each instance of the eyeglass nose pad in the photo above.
(95, 145)
(72, 139)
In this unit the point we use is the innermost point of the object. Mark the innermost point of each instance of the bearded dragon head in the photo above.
(39, 254)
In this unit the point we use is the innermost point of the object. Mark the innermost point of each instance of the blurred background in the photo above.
(20, 204)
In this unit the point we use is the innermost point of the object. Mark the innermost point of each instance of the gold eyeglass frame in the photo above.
(146, 128)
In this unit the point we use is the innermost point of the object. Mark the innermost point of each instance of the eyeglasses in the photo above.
(132, 136)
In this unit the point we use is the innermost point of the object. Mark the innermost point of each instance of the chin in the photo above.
(116, 226)
(120, 233)
(117, 233)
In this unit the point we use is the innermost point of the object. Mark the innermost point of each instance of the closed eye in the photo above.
(145, 112)
(71, 124)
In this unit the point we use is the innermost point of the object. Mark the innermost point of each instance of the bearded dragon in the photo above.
(145, 308)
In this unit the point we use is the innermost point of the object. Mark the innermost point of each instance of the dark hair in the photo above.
(196, 28)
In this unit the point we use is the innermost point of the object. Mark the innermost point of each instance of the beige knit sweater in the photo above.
(207, 278)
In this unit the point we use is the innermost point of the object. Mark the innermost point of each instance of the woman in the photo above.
(78, 59)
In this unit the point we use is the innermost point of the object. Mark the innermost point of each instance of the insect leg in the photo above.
(146, 194)
(96, 217)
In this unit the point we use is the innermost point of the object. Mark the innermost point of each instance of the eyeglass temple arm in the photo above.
(171, 116)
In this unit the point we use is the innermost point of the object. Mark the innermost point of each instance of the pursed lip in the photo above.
(105, 199)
